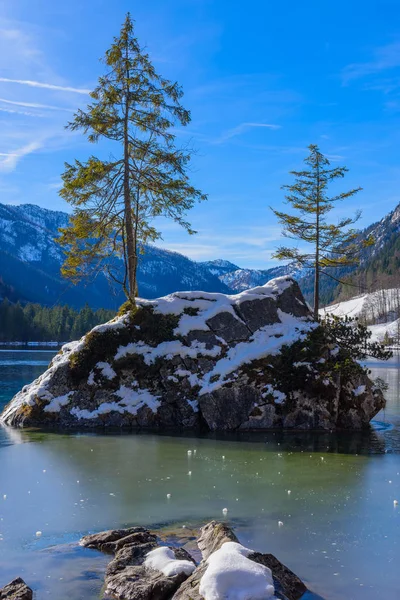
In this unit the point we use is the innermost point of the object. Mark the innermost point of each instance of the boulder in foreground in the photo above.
(16, 590)
(142, 569)
(191, 360)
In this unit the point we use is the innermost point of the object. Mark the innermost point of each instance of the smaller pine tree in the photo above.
(330, 245)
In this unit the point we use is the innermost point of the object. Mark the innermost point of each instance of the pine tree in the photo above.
(331, 245)
(387, 340)
(116, 200)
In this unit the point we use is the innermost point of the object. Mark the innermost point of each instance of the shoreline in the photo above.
(52, 344)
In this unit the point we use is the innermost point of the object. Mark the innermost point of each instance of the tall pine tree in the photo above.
(116, 200)
(331, 245)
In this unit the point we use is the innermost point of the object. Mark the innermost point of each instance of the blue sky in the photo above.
(262, 79)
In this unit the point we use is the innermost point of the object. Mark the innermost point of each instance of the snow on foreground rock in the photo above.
(144, 568)
(196, 359)
(231, 575)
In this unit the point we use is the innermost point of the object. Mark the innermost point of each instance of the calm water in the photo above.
(341, 530)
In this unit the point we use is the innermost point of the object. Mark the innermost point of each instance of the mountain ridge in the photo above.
(30, 262)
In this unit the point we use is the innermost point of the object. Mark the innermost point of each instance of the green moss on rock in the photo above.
(144, 323)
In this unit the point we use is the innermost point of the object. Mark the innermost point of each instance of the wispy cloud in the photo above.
(48, 86)
(26, 113)
(242, 128)
(30, 91)
(57, 185)
(9, 160)
(384, 59)
(253, 245)
(35, 105)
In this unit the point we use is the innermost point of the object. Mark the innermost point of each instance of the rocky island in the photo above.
(195, 360)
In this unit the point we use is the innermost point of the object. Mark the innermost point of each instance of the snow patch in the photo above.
(163, 559)
(231, 575)
(106, 370)
(166, 350)
(132, 401)
(194, 404)
(279, 397)
(359, 390)
(264, 342)
(56, 404)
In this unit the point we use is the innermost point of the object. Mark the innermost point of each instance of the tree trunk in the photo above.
(316, 293)
(131, 249)
(130, 241)
(317, 232)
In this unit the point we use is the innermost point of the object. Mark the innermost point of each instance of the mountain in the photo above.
(379, 265)
(220, 267)
(30, 262)
(238, 279)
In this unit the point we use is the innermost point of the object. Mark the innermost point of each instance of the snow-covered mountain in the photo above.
(379, 265)
(238, 279)
(30, 263)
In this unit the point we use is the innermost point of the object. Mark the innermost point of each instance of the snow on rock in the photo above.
(195, 359)
(230, 575)
(132, 401)
(57, 403)
(279, 396)
(359, 390)
(106, 370)
(166, 349)
(163, 559)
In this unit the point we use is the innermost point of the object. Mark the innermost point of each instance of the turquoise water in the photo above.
(340, 528)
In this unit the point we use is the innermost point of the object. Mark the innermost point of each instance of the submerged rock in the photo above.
(16, 590)
(143, 570)
(195, 359)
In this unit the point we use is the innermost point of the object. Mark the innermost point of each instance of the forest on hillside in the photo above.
(36, 323)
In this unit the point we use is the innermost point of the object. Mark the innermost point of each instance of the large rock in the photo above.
(16, 590)
(212, 537)
(129, 575)
(195, 359)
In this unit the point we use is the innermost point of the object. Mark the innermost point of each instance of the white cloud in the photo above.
(26, 113)
(385, 58)
(18, 51)
(9, 160)
(35, 105)
(48, 86)
(57, 185)
(30, 91)
(253, 245)
(242, 128)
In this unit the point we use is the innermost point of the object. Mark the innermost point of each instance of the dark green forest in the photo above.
(33, 322)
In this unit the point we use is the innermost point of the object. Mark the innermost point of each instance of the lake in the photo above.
(340, 533)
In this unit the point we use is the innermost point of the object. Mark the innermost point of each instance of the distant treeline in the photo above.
(33, 322)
